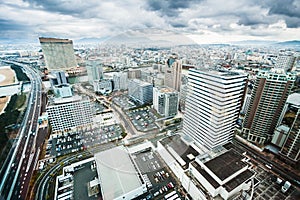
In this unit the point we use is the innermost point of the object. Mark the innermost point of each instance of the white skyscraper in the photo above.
(120, 80)
(212, 106)
(165, 101)
(94, 70)
(285, 62)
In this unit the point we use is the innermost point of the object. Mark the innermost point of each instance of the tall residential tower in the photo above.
(173, 73)
(269, 94)
(289, 141)
(213, 103)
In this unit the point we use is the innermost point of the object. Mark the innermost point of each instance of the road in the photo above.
(261, 158)
(42, 185)
(16, 176)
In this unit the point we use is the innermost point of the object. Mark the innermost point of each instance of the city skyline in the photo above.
(201, 21)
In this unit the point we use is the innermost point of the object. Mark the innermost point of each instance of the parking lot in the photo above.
(64, 144)
(74, 141)
(158, 180)
(142, 119)
(267, 187)
(100, 135)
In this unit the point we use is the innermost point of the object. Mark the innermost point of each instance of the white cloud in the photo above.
(216, 20)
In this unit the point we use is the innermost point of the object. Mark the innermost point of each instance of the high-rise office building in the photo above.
(94, 70)
(289, 140)
(68, 113)
(58, 53)
(140, 91)
(285, 62)
(173, 73)
(270, 91)
(120, 80)
(213, 103)
(165, 101)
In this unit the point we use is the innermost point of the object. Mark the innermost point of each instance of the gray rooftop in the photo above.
(294, 99)
(117, 172)
(226, 164)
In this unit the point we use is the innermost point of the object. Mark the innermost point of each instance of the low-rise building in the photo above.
(219, 173)
(140, 91)
(119, 177)
(103, 86)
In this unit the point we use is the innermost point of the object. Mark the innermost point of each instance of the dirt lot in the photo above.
(7, 76)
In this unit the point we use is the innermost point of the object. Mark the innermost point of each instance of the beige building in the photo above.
(173, 73)
(58, 53)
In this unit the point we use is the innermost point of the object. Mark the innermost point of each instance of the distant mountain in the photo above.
(267, 43)
(254, 42)
(289, 43)
(91, 40)
(16, 41)
(150, 37)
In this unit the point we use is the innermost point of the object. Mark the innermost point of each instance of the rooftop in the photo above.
(55, 101)
(166, 89)
(54, 40)
(241, 178)
(218, 73)
(117, 172)
(226, 164)
(294, 99)
(181, 148)
(141, 83)
(210, 179)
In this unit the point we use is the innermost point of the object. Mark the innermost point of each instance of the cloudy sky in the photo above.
(205, 21)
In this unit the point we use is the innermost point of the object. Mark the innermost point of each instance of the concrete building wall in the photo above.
(192, 189)
(69, 115)
(103, 86)
(165, 101)
(58, 53)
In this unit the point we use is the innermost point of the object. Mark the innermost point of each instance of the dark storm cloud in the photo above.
(252, 20)
(287, 8)
(66, 7)
(102, 18)
(178, 24)
(9, 25)
(170, 7)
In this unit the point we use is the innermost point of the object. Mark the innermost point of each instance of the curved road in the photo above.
(16, 177)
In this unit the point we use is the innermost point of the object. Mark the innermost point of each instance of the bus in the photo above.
(170, 194)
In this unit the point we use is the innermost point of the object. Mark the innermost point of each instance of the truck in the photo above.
(285, 187)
